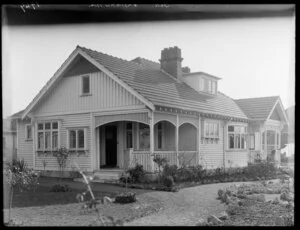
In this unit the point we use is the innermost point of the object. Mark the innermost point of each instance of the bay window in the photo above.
(47, 136)
(236, 137)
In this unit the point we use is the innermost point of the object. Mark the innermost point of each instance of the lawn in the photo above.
(45, 208)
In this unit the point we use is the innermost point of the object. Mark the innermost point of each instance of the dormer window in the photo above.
(85, 84)
(202, 82)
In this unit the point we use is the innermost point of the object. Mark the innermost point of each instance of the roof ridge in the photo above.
(109, 55)
(256, 98)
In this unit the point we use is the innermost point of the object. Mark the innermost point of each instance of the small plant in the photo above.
(168, 181)
(136, 174)
(285, 196)
(62, 157)
(125, 198)
(160, 161)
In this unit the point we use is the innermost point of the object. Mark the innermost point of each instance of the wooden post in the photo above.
(199, 139)
(151, 140)
(177, 139)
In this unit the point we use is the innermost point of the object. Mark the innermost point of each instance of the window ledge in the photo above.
(85, 94)
(28, 139)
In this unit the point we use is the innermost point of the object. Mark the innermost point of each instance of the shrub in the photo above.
(60, 188)
(160, 161)
(136, 174)
(285, 196)
(170, 170)
(168, 181)
(124, 198)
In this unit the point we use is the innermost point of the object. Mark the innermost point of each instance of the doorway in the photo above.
(111, 146)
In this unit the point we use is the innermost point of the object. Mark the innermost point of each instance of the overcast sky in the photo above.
(252, 56)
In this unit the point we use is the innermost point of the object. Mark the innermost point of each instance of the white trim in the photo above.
(97, 112)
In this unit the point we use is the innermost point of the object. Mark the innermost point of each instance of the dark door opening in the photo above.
(111, 146)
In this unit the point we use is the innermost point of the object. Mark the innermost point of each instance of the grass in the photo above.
(42, 196)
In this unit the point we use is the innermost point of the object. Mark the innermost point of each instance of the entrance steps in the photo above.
(110, 176)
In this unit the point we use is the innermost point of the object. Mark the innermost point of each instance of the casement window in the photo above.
(77, 139)
(159, 135)
(47, 136)
(129, 135)
(28, 132)
(144, 136)
(211, 129)
(237, 137)
(85, 84)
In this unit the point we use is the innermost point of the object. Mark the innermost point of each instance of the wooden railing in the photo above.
(133, 157)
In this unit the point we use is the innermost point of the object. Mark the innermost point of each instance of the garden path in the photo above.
(186, 207)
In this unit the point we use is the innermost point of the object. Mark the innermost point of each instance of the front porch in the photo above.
(135, 139)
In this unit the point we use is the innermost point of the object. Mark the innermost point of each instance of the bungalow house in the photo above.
(113, 113)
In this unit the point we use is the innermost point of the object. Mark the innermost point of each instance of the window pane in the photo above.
(231, 141)
(40, 126)
(86, 84)
(72, 140)
(216, 129)
(230, 128)
(28, 132)
(237, 144)
(80, 138)
(54, 125)
(47, 140)
(40, 140)
(237, 129)
(144, 136)
(209, 86)
(201, 86)
(48, 126)
(206, 129)
(54, 140)
(214, 87)
(243, 141)
(252, 141)
(211, 129)
(129, 139)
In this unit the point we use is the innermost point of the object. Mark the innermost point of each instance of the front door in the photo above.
(111, 145)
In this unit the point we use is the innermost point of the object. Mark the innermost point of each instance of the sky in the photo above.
(254, 57)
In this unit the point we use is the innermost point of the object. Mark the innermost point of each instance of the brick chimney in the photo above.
(171, 61)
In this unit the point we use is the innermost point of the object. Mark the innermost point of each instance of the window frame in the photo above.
(82, 89)
(43, 131)
(207, 126)
(26, 132)
(77, 129)
(239, 134)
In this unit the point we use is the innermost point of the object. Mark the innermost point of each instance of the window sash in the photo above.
(85, 84)
(28, 132)
(77, 139)
(237, 137)
(211, 129)
(47, 133)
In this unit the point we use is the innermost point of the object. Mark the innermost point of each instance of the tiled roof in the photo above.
(257, 108)
(147, 63)
(162, 89)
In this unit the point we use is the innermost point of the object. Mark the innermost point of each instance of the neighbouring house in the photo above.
(288, 132)
(9, 140)
(113, 113)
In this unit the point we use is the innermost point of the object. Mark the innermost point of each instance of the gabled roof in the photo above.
(259, 108)
(162, 89)
(144, 79)
(17, 115)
